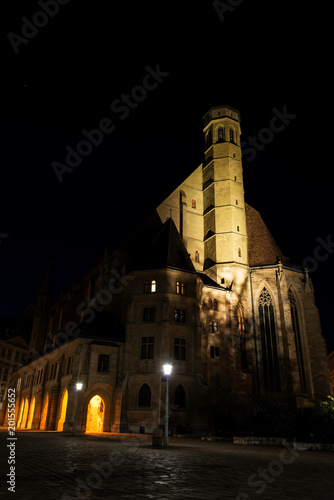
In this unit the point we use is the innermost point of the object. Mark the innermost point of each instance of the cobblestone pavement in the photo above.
(51, 465)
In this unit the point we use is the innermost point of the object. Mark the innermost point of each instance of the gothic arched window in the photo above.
(180, 396)
(231, 135)
(298, 342)
(241, 328)
(144, 397)
(241, 320)
(271, 375)
(221, 134)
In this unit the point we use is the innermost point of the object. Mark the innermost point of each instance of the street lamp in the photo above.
(78, 386)
(167, 371)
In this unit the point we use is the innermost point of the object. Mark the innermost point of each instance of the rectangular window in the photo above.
(3, 352)
(180, 349)
(9, 354)
(149, 314)
(147, 348)
(103, 363)
(180, 315)
(214, 352)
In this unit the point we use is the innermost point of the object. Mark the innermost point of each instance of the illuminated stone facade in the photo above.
(200, 283)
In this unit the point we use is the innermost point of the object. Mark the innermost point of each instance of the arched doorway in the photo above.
(19, 420)
(31, 413)
(44, 413)
(95, 415)
(25, 413)
(62, 411)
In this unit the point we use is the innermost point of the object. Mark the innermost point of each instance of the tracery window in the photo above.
(270, 365)
(241, 329)
(298, 342)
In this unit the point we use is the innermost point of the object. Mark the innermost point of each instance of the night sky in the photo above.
(261, 57)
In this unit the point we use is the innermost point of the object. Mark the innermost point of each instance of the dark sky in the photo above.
(263, 56)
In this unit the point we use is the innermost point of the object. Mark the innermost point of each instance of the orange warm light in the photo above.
(95, 415)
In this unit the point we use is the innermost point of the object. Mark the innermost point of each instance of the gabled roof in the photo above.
(165, 249)
(262, 248)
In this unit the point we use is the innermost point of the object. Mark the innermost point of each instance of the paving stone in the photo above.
(54, 465)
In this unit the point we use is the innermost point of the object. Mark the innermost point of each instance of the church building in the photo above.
(200, 283)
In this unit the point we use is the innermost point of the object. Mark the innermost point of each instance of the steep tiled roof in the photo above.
(262, 248)
(166, 249)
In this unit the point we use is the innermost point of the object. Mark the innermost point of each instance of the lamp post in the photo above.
(78, 386)
(167, 371)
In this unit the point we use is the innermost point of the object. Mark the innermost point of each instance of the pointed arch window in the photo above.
(180, 396)
(221, 134)
(144, 396)
(215, 305)
(210, 303)
(231, 135)
(298, 342)
(241, 328)
(270, 366)
(241, 320)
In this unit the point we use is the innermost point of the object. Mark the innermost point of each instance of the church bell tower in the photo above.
(225, 237)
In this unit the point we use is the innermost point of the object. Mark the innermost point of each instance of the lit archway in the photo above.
(25, 413)
(62, 412)
(95, 415)
(31, 413)
(19, 420)
(44, 413)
